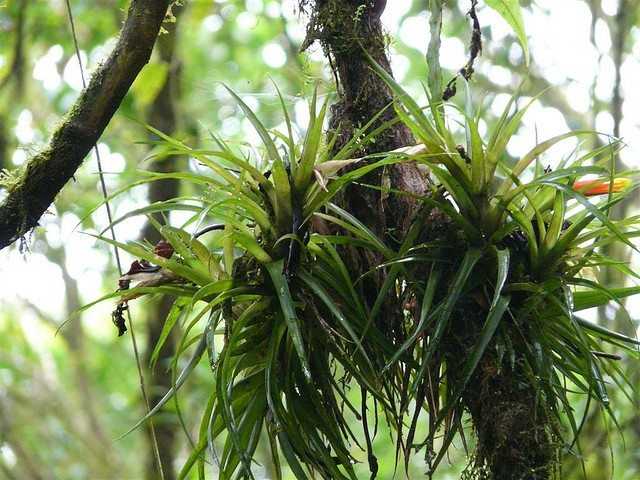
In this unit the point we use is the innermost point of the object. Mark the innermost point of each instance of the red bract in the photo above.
(600, 187)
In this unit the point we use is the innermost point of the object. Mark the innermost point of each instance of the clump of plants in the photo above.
(493, 274)
(295, 333)
(496, 331)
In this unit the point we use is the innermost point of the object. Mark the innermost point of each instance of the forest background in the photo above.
(64, 398)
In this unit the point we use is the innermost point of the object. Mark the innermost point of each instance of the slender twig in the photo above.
(475, 49)
(105, 195)
(433, 50)
(210, 228)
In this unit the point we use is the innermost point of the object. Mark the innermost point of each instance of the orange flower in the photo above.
(601, 187)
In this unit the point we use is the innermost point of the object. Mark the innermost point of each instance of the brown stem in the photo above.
(515, 441)
(47, 172)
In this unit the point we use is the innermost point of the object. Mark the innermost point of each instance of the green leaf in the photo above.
(193, 457)
(593, 210)
(494, 317)
(443, 312)
(176, 310)
(289, 139)
(252, 246)
(535, 152)
(456, 186)
(312, 142)
(335, 310)
(193, 362)
(428, 133)
(511, 12)
(503, 257)
(176, 267)
(257, 124)
(595, 298)
(282, 186)
(211, 289)
(474, 145)
(557, 221)
(427, 301)
(488, 330)
(359, 229)
(224, 384)
(281, 285)
(171, 205)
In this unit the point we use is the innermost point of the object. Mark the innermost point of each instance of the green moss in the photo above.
(10, 178)
(343, 27)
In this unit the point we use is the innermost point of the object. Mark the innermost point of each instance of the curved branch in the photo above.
(47, 172)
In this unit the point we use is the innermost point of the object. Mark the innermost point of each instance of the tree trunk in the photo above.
(514, 438)
(163, 116)
(514, 434)
(347, 29)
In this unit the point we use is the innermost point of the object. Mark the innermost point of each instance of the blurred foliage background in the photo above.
(66, 397)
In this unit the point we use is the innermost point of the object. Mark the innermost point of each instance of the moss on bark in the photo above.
(47, 172)
(517, 436)
(347, 29)
(512, 426)
(514, 429)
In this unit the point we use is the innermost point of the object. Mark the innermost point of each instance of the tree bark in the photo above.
(348, 31)
(47, 172)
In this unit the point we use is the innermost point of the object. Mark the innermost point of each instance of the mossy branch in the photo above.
(47, 172)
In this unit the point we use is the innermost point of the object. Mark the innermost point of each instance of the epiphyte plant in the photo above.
(295, 333)
(500, 283)
(497, 289)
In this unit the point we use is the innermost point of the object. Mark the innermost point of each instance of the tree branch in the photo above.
(47, 172)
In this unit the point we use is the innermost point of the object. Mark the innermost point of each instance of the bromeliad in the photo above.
(504, 279)
(290, 311)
